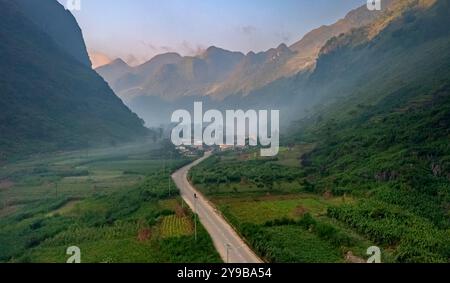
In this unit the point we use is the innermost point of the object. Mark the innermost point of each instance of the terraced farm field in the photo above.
(176, 226)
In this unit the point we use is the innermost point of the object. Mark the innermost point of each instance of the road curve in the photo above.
(222, 234)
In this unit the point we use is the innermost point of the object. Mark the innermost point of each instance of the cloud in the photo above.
(132, 60)
(155, 49)
(283, 36)
(191, 49)
(166, 48)
(184, 48)
(248, 30)
(98, 59)
(149, 45)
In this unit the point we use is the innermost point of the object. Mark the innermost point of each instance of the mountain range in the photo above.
(51, 99)
(218, 74)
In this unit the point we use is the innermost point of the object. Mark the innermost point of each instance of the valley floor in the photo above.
(115, 205)
(280, 213)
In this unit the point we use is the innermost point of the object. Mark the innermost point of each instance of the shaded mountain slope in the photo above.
(49, 100)
(55, 21)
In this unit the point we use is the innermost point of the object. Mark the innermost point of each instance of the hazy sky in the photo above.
(136, 30)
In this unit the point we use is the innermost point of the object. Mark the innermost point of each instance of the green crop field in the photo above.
(290, 156)
(266, 208)
(290, 243)
(114, 205)
(284, 225)
(176, 226)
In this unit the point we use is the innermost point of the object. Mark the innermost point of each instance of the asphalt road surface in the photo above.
(230, 246)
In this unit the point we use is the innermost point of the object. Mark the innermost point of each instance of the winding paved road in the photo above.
(230, 246)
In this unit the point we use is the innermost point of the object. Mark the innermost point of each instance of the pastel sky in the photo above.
(136, 30)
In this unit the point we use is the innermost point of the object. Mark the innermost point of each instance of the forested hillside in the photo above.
(49, 100)
(369, 165)
(388, 142)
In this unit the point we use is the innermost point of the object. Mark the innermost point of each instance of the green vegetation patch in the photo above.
(111, 214)
(176, 226)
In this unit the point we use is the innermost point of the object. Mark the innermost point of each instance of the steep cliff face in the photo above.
(59, 24)
(403, 43)
(48, 99)
(308, 48)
